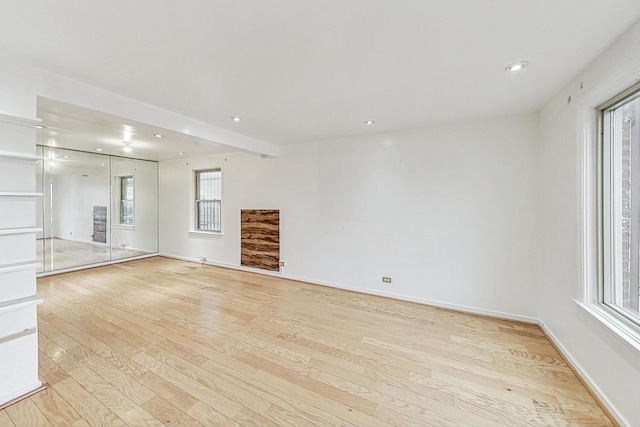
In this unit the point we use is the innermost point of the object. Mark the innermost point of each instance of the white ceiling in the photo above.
(302, 70)
(78, 128)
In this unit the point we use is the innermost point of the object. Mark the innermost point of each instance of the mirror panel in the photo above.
(95, 208)
(134, 225)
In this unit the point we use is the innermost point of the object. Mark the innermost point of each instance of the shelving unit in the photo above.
(19, 194)
(18, 298)
(18, 156)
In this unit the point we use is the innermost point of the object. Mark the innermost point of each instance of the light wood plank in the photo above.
(161, 341)
(26, 413)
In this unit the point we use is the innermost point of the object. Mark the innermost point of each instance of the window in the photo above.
(620, 201)
(208, 200)
(126, 200)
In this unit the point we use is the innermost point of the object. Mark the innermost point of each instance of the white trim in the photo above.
(18, 121)
(25, 391)
(124, 226)
(595, 261)
(18, 335)
(18, 267)
(17, 304)
(614, 324)
(199, 233)
(19, 230)
(19, 156)
(193, 178)
(19, 194)
(457, 307)
(585, 377)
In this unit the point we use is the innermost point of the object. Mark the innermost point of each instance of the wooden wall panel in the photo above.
(260, 238)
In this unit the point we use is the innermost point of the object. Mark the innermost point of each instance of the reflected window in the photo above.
(208, 200)
(126, 200)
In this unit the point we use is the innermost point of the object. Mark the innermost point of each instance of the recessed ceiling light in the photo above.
(66, 157)
(516, 66)
(158, 135)
(101, 164)
(369, 122)
(181, 153)
(235, 118)
(98, 149)
(39, 126)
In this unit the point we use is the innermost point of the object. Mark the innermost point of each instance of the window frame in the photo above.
(593, 210)
(611, 164)
(121, 199)
(196, 202)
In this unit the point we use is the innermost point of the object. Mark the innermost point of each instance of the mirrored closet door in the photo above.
(95, 208)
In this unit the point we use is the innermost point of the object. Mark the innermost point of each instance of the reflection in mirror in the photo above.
(134, 225)
(95, 208)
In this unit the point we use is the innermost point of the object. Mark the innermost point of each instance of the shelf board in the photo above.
(20, 230)
(20, 156)
(19, 121)
(17, 304)
(18, 266)
(19, 194)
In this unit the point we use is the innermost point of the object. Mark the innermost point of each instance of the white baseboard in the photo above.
(23, 392)
(457, 307)
(584, 376)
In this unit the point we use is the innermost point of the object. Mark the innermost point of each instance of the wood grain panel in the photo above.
(260, 238)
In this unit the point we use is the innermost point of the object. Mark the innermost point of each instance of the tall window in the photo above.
(126, 200)
(208, 200)
(620, 288)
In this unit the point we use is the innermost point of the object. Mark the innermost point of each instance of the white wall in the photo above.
(447, 212)
(610, 366)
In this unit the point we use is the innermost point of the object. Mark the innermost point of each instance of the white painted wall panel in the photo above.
(17, 138)
(17, 320)
(17, 284)
(19, 360)
(17, 212)
(17, 175)
(17, 248)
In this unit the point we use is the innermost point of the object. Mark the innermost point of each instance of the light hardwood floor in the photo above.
(160, 341)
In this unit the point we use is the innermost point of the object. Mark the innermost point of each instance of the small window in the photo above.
(126, 200)
(620, 219)
(208, 200)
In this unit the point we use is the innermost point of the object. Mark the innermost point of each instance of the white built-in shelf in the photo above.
(18, 121)
(18, 266)
(19, 194)
(20, 230)
(23, 333)
(19, 156)
(19, 303)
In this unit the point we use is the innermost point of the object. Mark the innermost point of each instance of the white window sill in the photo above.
(125, 226)
(201, 233)
(622, 329)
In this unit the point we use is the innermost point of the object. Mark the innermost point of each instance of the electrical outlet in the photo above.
(281, 263)
(386, 279)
